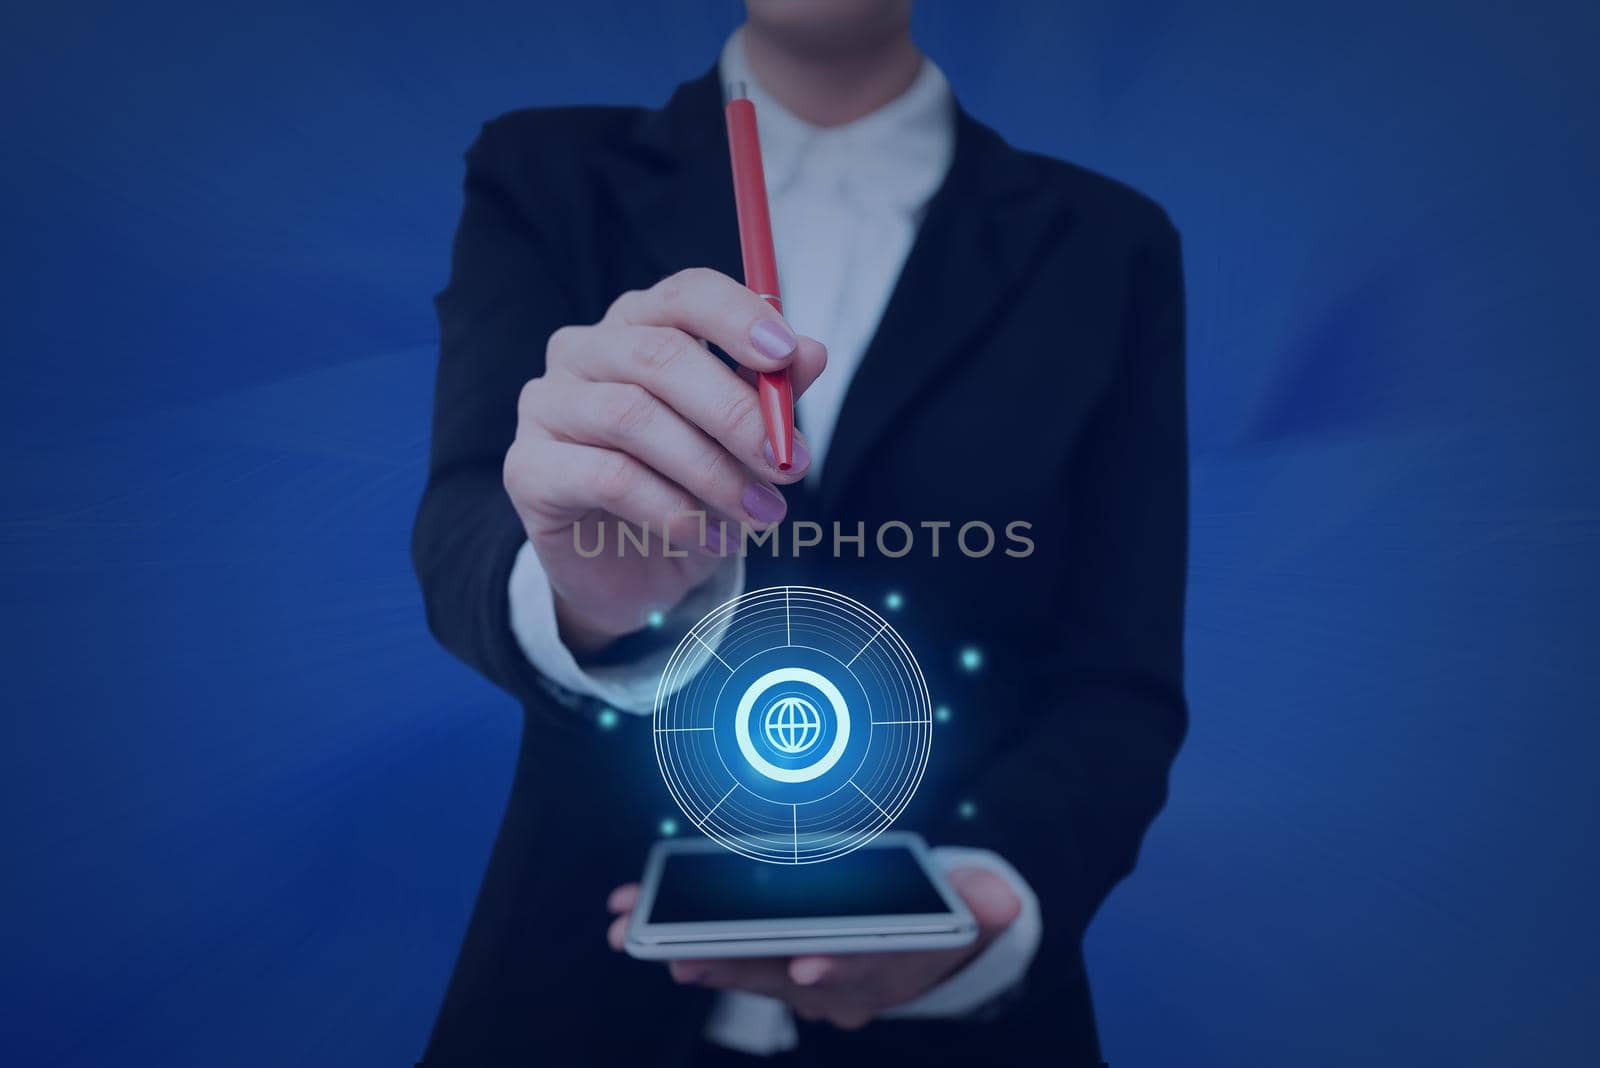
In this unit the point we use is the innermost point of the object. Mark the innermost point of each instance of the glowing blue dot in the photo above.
(942, 713)
(669, 827)
(656, 617)
(894, 601)
(971, 658)
(607, 718)
(966, 810)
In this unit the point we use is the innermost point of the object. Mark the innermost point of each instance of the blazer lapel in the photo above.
(681, 200)
(983, 230)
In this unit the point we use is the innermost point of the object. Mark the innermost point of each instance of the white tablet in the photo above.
(698, 900)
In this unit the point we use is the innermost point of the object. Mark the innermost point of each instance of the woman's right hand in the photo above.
(635, 420)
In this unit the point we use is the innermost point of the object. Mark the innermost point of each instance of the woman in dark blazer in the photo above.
(1028, 367)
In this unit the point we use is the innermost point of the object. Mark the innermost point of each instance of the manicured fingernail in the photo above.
(764, 505)
(773, 339)
(802, 455)
(715, 541)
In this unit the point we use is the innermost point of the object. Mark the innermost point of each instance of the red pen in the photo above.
(760, 263)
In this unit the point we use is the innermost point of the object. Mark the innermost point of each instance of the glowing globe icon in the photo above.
(792, 725)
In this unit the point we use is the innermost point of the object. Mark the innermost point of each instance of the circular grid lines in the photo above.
(792, 648)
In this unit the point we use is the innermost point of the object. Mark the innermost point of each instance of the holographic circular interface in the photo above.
(792, 725)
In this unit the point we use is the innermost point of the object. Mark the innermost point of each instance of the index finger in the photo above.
(706, 304)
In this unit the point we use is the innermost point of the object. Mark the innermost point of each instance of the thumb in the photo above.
(990, 897)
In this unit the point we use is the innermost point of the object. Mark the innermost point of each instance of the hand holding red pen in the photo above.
(634, 419)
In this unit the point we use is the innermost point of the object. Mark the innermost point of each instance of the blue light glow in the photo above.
(894, 601)
(607, 718)
(809, 742)
(966, 810)
(669, 827)
(656, 617)
(942, 713)
(971, 658)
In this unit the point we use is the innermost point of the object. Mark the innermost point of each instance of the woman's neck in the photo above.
(834, 88)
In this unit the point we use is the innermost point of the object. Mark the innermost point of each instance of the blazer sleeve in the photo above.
(1069, 801)
(502, 303)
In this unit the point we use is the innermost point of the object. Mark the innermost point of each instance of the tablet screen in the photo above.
(875, 881)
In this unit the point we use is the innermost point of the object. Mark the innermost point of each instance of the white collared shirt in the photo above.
(846, 202)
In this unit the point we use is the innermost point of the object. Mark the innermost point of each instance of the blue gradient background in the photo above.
(246, 800)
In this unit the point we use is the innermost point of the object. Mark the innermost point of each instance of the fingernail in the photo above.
(763, 505)
(715, 541)
(802, 455)
(773, 339)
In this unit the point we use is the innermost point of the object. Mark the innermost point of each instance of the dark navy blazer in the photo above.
(1029, 367)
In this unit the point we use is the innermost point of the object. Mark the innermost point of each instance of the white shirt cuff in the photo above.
(751, 1023)
(1001, 965)
(630, 687)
